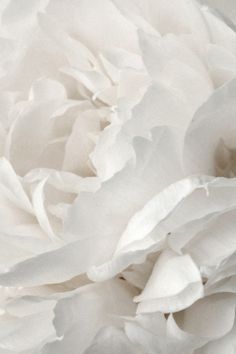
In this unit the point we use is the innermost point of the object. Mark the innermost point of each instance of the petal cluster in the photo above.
(117, 177)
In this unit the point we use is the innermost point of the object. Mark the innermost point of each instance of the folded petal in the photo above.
(175, 283)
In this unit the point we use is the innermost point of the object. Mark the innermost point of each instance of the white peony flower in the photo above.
(117, 177)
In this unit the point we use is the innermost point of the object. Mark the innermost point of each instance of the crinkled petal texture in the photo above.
(117, 177)
(99, 307)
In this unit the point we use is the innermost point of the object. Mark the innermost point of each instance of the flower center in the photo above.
(225, 160)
